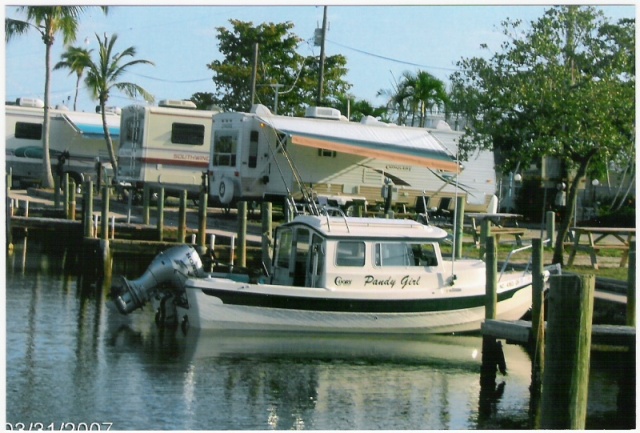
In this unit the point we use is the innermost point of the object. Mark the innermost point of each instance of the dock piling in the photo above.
(267, 230)
(104, 221)
(537, 331)
(242, 233)
(160, 224)
(567, 353)
(182, 217)
(631, 286)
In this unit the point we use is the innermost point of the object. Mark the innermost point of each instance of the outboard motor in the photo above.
(173, 266)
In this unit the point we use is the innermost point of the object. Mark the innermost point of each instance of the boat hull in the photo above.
(213, 306)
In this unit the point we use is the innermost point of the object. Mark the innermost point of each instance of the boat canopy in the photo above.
(91, 126)
(413, 146)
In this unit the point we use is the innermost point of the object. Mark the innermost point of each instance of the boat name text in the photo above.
(406, 281)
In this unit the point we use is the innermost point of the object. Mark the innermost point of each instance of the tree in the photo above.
(48, 21)
(416, 94)
(562, 88)
(282, 73)
(76, 59)
(102, 78)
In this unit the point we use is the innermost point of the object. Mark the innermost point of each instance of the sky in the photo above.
(379, 41)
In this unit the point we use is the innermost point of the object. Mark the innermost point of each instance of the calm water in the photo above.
(72, 358)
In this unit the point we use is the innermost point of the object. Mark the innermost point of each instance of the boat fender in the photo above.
(225, 191)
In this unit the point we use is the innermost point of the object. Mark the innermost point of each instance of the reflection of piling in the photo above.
(567, 353)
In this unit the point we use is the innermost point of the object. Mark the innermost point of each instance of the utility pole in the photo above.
(324, 36)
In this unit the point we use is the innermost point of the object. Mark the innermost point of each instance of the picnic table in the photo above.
(595, 235)
(500, 221)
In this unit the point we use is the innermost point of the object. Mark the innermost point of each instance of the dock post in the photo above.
(146, 194)
(537, 332)
(242, 234)
(485, 232)
(65, 195)
(9, 237)
(87, 209)
(161, 214)
(104, 219)
(182, 218)
(56, 192)
(567, 355)
(267, 230)
(551, 227)
(631, 286)
(72, 200)
(202, 220)
(458, 226)
(492, 356)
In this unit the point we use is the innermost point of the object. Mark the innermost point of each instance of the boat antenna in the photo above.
(455, 218)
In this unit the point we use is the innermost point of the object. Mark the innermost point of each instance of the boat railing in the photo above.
(551, 268)
(334, 211)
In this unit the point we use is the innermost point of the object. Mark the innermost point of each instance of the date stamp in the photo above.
(58, 426)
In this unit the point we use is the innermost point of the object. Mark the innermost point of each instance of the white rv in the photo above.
(79, 134)
(260, 156)
(165, 146)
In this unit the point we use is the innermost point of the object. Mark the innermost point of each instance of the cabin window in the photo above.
(253, 149)
(327, 153)
(29, 131)
(225, 145)
(187, 133)
(350, 253)
(405, 254)
(284, 249)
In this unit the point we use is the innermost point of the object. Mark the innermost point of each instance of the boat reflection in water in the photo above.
(264, 380)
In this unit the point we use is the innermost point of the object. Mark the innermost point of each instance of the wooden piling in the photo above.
(485, 232)
(631, 286)
(537, 332)
(242, 234)
(71, 213)
(146, 195)
(267, 231)
(550, 220)
(87, 209)
(458, 226)
(567, 353)
(65, 195)
(160, 223)
(9, 236)
(491, 300)
(182, 217)
(202, 220)
(56, 192)
(104, 222)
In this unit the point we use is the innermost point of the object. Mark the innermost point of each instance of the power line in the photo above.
(389, 58)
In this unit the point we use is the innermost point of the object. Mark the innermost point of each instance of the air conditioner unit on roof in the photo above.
(30, 102)
(323, 113)
(176, 103)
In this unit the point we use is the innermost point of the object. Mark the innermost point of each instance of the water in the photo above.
(72, 358)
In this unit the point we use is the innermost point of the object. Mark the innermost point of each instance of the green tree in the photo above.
(103, 76)
(76, 59)
(48, 21)
(563, 88)
(282, 73)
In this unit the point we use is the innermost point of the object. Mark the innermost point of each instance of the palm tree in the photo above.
(76, 60)
(102, 78)
(429, 92)
(48, 21)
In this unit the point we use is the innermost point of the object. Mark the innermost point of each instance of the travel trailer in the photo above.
(261, 156)
(165, 146)
(76, 138)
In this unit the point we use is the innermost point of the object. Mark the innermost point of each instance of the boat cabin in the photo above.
(356, 253)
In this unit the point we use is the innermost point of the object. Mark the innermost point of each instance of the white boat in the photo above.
(332, 274)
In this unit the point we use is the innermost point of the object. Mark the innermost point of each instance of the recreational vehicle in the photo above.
(76, 139)
(164, 146)
(261, 156)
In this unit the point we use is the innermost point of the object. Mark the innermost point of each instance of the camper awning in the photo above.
(413, 146)
(90, 125)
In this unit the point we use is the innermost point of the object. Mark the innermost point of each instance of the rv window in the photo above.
(327, 153)
(253, 149)
(225, 144)
(29, 131)
(350, 253)
(187, 133)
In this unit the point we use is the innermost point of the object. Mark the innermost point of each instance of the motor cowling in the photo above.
(171, 267)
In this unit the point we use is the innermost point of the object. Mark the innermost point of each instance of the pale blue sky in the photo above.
(380, 43)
